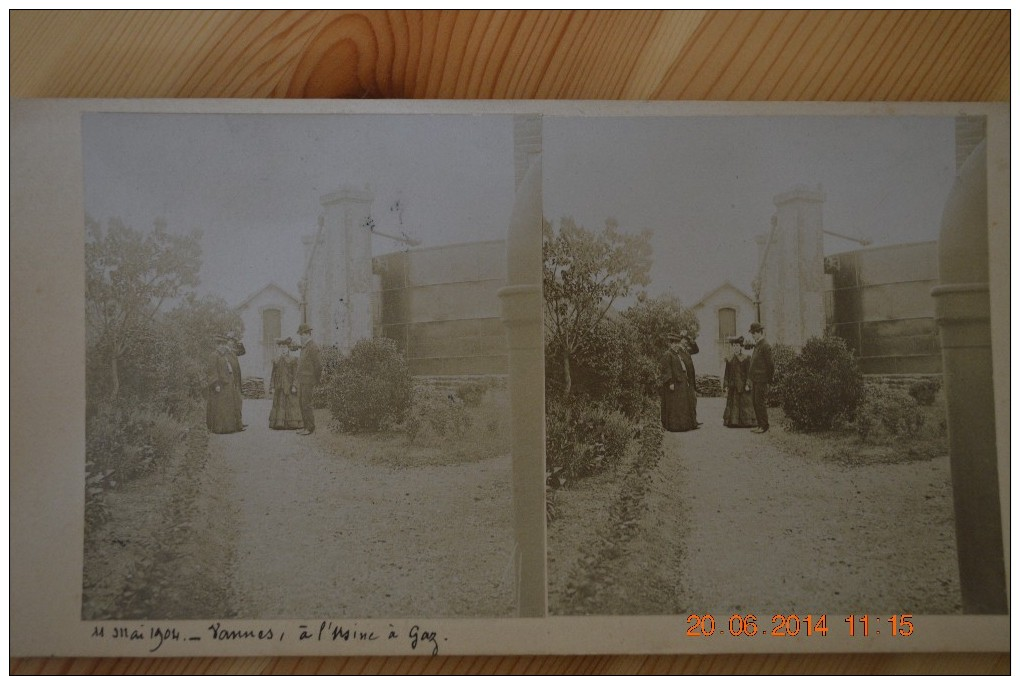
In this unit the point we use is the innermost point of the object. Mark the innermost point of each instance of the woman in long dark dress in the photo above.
(739, 411)
(675, 390)
(286, 411)
(220, 412)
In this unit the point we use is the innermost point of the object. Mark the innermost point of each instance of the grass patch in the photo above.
(486, 434)
(844, 447)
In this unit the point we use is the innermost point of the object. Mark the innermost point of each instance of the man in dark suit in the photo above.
(759, 376)
(308, 373)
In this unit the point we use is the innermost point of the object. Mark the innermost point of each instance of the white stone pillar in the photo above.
(345, 316)
(963, 314)
(522, 316)
(793, 306)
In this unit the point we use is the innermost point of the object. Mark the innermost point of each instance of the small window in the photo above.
(727, 323)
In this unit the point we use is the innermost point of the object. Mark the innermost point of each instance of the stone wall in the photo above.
(902, 381)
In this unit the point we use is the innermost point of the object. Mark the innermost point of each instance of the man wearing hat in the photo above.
(308, 373)
(759, 376)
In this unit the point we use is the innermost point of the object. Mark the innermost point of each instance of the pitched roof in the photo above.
(719, 288)
(265, 288)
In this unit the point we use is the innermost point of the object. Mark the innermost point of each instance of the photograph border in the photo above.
(47, 431)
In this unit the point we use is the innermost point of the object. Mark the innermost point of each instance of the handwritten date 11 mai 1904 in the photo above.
(416, 637)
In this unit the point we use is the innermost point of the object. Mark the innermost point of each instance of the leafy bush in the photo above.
(782, 356)
(886, 413)
(472, 393)
(371, 388)
(97, 483)
(924, 391)
(166, 362)
(607, 369)
(584, 438)
(125, 440)
(821, 383)
(434, 415)
(331, 357)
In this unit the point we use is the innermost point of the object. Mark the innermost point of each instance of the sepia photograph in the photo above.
(297, 363)
(545, 378)
(768, 370)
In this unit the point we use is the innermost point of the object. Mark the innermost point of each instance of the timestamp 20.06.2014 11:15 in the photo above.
(790, 625)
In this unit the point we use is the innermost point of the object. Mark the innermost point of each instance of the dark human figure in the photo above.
(220, 414)
(236, 350)
(286, 411)
(739, 410)
(759, 376)
(308, 373)
(688, 347)
(674, 388)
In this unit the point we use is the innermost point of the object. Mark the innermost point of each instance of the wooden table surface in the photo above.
(627, 55)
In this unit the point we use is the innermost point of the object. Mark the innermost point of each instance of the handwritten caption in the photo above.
(415, 638)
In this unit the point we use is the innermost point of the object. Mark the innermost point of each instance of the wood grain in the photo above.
(634, 55)
(946, 663)
(661, 55)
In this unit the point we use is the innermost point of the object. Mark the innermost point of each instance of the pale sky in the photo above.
(252, 183)
(704, 185)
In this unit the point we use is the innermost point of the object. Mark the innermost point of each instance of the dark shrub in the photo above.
(782, 356)
(821, 383)
(886, 413)
(471, 394)
(331, 358)
(607, 369)
(435, 416)
(618, 361)
(126, 439)
(370, 389)
(584, 438)
(924, 391)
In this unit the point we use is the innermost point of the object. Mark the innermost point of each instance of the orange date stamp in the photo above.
(790, 625)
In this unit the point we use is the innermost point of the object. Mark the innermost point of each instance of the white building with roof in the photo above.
(269, 314)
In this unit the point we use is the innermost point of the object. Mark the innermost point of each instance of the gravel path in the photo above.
(773, 531)
(318, 535)
(757, 523)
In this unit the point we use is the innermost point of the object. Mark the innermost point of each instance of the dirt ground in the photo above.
(270, 524)
(740, 522)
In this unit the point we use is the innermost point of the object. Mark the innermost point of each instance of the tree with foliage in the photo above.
(129, 275)
(583, 274)
(655, 318)
(179, 361)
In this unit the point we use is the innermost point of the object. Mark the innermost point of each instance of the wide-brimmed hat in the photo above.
(285, 341)
(304, 328)
(736, 340)
(756, 327)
